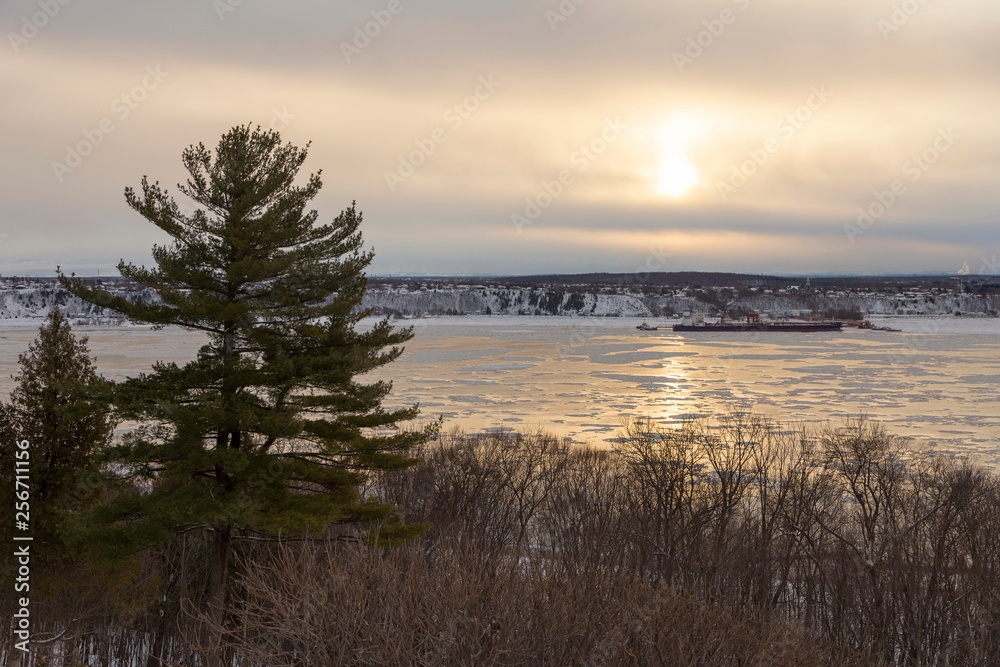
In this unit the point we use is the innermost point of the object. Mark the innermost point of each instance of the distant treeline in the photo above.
(698, 279)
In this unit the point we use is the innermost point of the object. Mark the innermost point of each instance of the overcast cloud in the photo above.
(522, 137)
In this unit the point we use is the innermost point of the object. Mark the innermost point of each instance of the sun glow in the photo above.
(678, 136)
(677, 175)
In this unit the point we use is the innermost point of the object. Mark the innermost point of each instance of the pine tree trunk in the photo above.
(215, 598)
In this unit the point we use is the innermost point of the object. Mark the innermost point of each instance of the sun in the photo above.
(677, 175)
(678, 136)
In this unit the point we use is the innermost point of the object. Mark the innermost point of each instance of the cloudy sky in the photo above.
(526, 136)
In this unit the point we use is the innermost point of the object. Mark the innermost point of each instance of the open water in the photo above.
(936, 382)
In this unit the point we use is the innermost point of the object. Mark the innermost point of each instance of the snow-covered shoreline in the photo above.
(590, 302)
(924, 324)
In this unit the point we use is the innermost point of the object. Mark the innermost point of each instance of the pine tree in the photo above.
(60, 406)
(270, 430)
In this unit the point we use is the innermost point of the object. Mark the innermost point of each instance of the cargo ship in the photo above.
(696, 322)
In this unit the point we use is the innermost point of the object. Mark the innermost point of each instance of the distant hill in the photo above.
(656, 279)
(697, 279)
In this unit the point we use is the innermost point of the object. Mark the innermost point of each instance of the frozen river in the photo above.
(936, 381)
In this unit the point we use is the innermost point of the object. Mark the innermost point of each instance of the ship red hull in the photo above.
(754, 326)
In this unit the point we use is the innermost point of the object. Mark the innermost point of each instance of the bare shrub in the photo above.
(359, 605)
(732, 541)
